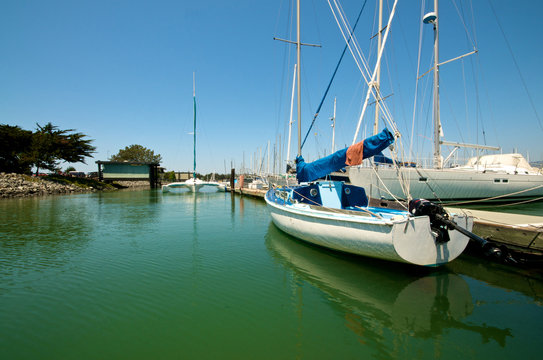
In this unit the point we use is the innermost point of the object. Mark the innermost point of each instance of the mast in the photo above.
(438, 160)
(376, 84)
(297, 72)
(291, 107)
(194, 123)
(298, 51)
(374, 74)
(433, 18)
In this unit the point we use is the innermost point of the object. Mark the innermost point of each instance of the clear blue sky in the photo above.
(121, 73)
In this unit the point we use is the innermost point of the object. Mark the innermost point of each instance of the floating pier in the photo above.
(523, 233)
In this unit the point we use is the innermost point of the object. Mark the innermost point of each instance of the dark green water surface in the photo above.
(146, 275)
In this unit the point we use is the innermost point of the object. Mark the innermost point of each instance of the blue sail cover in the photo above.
(382, 159)
(352, 155)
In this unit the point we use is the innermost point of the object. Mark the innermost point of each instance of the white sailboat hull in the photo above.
(193, 185)
(408, 240)
(446, 184)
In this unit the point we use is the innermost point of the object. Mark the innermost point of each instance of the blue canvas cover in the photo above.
(382, 159)
(377, 143)
(314, 170)
(369, 147)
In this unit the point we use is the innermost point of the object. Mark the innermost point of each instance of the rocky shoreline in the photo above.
(17, 185)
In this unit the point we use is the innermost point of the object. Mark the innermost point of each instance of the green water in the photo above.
(146, 275)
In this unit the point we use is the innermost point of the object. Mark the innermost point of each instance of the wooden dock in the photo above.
(522, 233)
(258, 193)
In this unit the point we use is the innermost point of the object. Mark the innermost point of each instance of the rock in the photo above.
(16, 185)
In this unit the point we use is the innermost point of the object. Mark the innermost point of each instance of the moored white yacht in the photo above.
(502, 177)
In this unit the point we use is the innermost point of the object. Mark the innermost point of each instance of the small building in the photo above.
(128, 171)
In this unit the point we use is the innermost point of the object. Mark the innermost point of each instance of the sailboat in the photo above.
(502, 177)
(193, 184)
(337, 215)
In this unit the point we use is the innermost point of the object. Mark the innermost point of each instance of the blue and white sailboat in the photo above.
(193, 184)
(337, 215)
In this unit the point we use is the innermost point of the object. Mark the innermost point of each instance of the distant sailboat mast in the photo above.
(193, 184)
(194, 123)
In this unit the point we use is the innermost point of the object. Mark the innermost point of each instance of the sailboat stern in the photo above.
(416, 242)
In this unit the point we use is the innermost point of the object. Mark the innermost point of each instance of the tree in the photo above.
(15, 149)
(21, 149)
(51, 145)
(169, 176)
(136, 153)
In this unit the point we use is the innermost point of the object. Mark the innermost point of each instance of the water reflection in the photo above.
(42, 233)
(128, 208)
(377, 297)
(527, 281)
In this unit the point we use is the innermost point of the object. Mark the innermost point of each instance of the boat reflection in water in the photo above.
(527, 281)
(380, 298)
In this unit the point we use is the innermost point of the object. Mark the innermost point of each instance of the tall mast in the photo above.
(376, 84)
(298, 51)
(291, 108)
(297, 72)
(433, 18)
(438, 162)
(194, 122)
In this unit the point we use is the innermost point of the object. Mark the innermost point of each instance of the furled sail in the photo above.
(352, 155)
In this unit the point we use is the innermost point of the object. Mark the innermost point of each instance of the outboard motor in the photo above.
(440, 223)
(436, 213)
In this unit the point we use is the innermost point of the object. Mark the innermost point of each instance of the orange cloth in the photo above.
(355, 154)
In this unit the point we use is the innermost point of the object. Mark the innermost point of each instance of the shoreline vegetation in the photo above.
(18, 185)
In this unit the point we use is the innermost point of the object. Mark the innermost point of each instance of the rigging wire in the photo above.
(333, 75)
(372, 89)
(517, 66)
